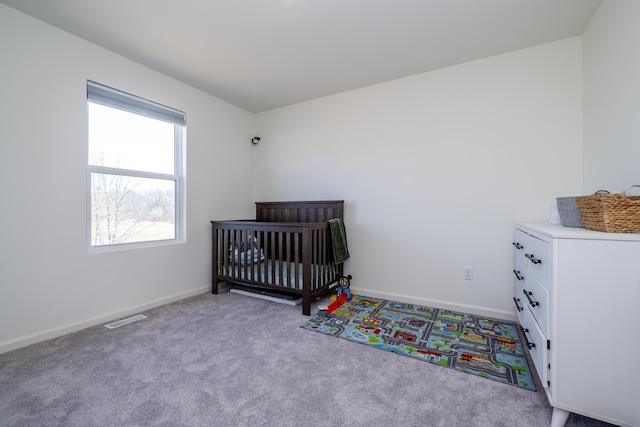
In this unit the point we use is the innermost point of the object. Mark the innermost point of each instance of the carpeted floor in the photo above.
(476, 345)
(233, 360)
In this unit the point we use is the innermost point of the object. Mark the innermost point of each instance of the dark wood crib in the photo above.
(287, 248)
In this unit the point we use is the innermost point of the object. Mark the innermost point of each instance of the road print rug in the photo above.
(477, 345)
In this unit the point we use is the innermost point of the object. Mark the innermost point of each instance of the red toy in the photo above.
(337, 303)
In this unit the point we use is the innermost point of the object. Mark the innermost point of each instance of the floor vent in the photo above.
(125, 321)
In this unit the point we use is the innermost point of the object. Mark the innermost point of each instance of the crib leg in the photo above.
(306, 305)
(214, 287)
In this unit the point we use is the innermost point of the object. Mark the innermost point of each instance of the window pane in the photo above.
(127, 209)
(124, 140)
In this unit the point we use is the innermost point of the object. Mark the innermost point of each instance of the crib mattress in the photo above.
(274, 273)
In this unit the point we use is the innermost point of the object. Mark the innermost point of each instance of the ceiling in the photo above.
(265, 54)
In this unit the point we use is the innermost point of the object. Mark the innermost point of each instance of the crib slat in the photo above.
(232, 259)
(306, 271)
(280, 256)
(296, 261)
(314, 260)
(323, 257)
(287, 242)
(272, 265)
(256, 268)
(225, 258)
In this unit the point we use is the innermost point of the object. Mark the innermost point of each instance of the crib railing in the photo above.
(291, 257)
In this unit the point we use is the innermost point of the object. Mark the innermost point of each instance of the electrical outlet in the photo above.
(468, 273)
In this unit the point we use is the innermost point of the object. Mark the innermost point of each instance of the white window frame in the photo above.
(114, 98)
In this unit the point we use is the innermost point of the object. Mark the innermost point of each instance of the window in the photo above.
(134, 170)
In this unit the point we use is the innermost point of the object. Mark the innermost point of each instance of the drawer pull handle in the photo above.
(530, 345)
(518, 275)
(533, 259)
(528, 294)
(518, 245)
(518, 306)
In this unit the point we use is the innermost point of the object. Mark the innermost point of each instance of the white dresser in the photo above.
(578, 300)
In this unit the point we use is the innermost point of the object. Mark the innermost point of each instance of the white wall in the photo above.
(435, 169)
(612, 97)
(48, 283)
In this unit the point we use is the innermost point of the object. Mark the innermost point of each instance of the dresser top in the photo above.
(559, 231)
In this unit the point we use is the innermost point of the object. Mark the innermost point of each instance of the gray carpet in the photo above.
(233, 360)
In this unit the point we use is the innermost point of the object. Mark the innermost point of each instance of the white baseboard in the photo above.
(57, 332)
(471, 309)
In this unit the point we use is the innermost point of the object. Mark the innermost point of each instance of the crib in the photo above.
(287, 248)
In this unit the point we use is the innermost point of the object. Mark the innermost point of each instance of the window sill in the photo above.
(136, 245)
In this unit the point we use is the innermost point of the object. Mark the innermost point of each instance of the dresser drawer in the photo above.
(532, 295)
(536, 341)
(537, 254)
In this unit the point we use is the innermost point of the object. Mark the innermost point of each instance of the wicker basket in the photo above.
(611, 213)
